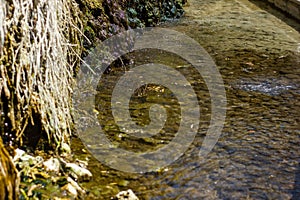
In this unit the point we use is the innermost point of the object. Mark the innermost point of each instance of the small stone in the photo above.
(82, 163)
(79, 173)
(70, 189)
(126, 195)
(65, 148)
(26, 160)
(52, 165)
(18, 154)
(39, 159)
(75, 185)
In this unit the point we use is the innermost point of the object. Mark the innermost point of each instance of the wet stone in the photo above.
(78, 173)
(126, 195)
(52, 164)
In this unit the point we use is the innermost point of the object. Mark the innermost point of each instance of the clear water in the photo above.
(257, 155)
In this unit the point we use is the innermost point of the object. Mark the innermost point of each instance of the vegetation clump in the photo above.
(149, 13)
(40, 47)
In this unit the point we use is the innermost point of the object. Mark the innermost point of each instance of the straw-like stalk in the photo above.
(39, 50)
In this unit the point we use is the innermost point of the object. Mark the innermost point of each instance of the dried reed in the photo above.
(40, 47)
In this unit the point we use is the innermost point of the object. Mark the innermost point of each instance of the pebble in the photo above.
(18, 154)
(126, 195)
(22, 159)
(75, 185)
(52, 165)
(65, 148)
(70, 189)
(79, 173)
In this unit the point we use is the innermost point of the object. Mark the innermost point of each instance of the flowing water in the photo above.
(257, 155)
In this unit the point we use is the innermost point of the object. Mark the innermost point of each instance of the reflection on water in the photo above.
(257, 156)
(267, 86)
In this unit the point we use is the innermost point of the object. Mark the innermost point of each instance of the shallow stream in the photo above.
(257, 155)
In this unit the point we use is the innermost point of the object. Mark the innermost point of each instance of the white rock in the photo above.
(82, 163)
(79, 173)
(52, 164)
(70, 189)
(65, 148)
(26, 160)
(75, 185)
(22, 159)
(18, 154)
(127, 195)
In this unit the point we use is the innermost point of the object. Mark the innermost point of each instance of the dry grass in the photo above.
(2, 22)
(40, 50)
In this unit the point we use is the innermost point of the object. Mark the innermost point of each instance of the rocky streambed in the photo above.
(257, 155)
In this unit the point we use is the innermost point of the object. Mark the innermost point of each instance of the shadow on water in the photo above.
(283, 16)
(291, 21)
(296, 191)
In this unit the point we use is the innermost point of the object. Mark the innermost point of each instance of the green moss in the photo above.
(104, 18)
(152, 12)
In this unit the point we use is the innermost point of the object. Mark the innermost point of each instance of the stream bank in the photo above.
(36, 122)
